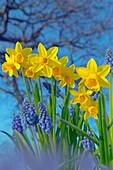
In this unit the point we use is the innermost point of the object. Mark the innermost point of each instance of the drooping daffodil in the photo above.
(81, 96)
(10, 66)
(90, 108)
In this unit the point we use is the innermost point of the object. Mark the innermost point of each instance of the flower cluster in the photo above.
(88, 144)
(92, 79)
(47, 64)
(44, 63)
(45, 121)
(109, 59)
(17, 125)
(28, 114)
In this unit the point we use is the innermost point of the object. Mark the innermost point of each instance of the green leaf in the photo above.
(10, 137)
(80, 131)
(26, 151)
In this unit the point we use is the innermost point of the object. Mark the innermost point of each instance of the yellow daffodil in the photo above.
(90, 108)
(20, 55)
(45, 60)
(31, 74)
(68, 76)
(93, 77)
(81, 96)
(57, 69)
(10, 66)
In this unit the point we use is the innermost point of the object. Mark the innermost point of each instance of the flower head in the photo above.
(90, 108)
(88, 144)
(68, 76)
(109, 58)
(16, 125)
(45, 60)
(93, 77)
(20, 55)
(10, 66)
(28, 114)
(81, 96)
(45, 121)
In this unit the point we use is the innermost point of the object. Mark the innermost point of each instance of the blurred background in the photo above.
(81, 29)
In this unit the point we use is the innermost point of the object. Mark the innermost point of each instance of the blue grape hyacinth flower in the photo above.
(48, 88)
(28, 114)
(17, 125)
(94, 95)
(45, 121)
(109, 59)
(87, 143)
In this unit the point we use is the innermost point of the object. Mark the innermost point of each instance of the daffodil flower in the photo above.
(93, 77)
(45, 60)
(57, 69)
(68, 76)
(10, 66)
(81, 96)
(30, 73)
(90, 108)
(20, 55)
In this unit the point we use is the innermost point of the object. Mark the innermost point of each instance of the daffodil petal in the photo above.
(64, 60)
(92, 65)
(71, 84)
(103, 70)
(74, 100)
(86, 115)
(82, 72)
(38, 67)
(15, 73)
(103, 82)
(74, 93)
(81, 89)
(47, 71)
(62, 83)
(17, 65)
(26, 51)
(89, 92)
(52, 52)
(53, 63)
(42, 50)
(18, 47)
(71, 68)
(10, 72)
(7, 58)
(11, 51)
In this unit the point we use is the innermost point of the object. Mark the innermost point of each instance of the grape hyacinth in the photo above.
(17, 125)
(94, 95)
(88, 144)
(45, 121)
(109, 59)
(28, 114)
(48, 88)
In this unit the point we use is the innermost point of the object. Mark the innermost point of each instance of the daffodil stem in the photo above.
(101, 140)
(53, 97)
(26, 86)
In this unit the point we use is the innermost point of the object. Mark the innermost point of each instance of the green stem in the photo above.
(26, 86)
(101, 140)
(53, 97)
